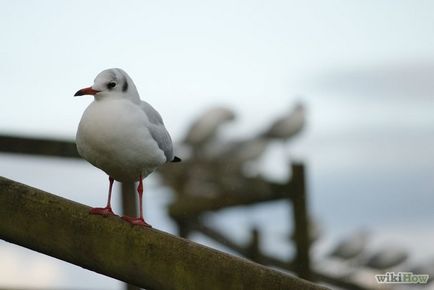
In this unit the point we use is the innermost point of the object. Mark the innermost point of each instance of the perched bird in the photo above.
(205, 127)
(122, 135)
(387, 257)
(352, 246)
(241, 151)
(287, 126)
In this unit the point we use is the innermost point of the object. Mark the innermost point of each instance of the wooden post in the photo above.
(129, 199)
(183, 227)
(129, 208)
(301, 237)
(254, 247)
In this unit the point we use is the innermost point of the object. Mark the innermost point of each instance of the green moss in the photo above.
(144, 257)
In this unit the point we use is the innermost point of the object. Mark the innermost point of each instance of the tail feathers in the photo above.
(176, 159)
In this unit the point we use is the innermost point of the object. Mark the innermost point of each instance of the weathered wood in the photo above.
(258, 191)
(38, 146)
(129, 208)
(128, 199)
(144, 257)
(301, 226)
(240, 249)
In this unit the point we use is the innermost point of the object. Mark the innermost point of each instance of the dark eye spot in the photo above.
(125, 86)
(111, 85)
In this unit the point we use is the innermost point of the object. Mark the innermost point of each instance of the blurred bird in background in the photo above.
(288, 125)
(204, 129)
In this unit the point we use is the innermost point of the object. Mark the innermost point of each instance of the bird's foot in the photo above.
(104, 211)
(136, 221)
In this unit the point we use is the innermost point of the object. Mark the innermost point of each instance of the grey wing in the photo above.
(158, 131)
(153, 116)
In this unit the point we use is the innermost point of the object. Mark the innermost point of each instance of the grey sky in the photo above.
(184, 56)
(365, 69)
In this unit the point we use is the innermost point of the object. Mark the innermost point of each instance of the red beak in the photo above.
(86, 91)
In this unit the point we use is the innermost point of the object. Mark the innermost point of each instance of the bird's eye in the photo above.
(111, 85)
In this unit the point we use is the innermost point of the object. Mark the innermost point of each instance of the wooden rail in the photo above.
(38, 146)
(144, 257)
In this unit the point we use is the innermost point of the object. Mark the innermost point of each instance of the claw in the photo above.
(136, 221)
(104, 211)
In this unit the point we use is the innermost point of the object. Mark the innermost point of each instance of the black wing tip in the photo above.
(176, 159)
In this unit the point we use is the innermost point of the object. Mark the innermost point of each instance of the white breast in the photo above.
(113, 136)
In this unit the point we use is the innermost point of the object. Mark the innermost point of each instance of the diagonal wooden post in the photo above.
(144, 257)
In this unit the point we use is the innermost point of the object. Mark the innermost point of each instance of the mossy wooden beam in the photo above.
(144, 257)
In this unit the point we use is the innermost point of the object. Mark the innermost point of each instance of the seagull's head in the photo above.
(111, 83)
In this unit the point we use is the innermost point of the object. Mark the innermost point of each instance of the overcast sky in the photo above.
(185, 56)
(365, 70)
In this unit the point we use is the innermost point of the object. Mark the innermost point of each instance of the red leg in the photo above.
(107, 210)
(134, 220)
(140, 192)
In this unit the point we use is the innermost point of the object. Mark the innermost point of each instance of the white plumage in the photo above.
(113, 135)
(288, 125)
(121, 134)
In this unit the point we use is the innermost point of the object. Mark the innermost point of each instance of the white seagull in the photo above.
(288, 125)
(205, 127)
(122, 135)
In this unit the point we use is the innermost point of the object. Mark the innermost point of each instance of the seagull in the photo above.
(243, 150)
(387, 257)
(122, 135)
(288, 125)
(205, 127)
(351, 247)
